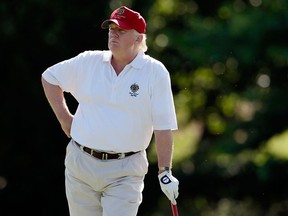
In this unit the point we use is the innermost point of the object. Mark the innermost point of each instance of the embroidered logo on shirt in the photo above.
(134, 88)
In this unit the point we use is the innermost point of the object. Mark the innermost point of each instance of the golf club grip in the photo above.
(174, 210)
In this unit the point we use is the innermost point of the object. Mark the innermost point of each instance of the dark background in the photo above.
(228, 65)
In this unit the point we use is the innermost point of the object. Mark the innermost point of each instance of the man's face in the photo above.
(120, 39)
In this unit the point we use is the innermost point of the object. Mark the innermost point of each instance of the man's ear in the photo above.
(139, 38)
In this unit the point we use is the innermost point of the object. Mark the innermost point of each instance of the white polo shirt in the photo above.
(116, 113)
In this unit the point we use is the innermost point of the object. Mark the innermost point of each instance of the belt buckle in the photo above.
(81, 147)
(121, 155)
(104, 156)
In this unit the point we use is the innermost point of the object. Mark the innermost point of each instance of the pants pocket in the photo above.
(138, 164)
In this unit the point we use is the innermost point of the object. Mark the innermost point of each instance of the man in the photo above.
(124, 96)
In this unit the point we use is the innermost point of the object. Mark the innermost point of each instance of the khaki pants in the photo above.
(103, 187)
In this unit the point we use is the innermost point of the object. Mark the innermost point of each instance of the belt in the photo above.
(104, 155)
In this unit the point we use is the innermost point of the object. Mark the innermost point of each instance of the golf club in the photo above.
(174, 209)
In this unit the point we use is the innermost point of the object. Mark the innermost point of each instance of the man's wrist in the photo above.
(164, 168)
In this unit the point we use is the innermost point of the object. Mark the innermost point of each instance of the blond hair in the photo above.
(143, 46)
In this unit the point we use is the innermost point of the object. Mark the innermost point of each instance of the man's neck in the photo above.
(119, 62)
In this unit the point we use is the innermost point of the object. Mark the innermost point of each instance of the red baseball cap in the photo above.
(126, 19)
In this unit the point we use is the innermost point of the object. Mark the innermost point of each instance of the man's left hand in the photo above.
(169, 185)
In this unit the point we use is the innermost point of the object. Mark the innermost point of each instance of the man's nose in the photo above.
(114, 33)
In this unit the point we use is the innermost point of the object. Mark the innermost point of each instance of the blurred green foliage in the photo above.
(228, 62)
(229, 72)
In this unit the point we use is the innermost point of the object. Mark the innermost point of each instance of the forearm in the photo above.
(56, 99)
(164, 147)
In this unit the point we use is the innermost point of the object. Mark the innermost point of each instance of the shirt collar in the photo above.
(138, 61)
(107, 56)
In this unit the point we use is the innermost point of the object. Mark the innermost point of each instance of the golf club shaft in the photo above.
(174, 209)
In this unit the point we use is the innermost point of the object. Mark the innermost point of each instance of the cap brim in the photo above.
(105, 24)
